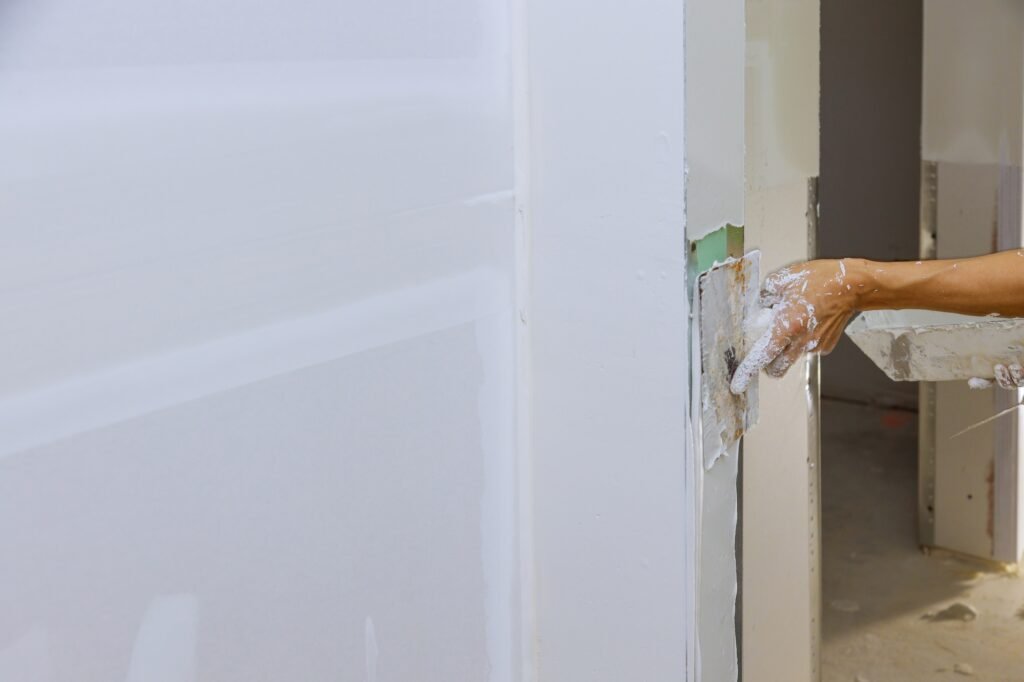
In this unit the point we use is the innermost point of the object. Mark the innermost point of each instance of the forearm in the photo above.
(985, 285)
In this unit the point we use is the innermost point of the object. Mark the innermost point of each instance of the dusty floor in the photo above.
(879, 587)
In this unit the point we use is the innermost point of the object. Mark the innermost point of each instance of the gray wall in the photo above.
(870, 159)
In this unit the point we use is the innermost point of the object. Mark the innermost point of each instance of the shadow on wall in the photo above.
(870, 160)
(265, 533)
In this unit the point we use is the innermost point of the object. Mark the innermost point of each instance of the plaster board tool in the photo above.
(921, 345)
(727, 303)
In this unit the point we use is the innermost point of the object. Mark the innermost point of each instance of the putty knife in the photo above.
(727, 300)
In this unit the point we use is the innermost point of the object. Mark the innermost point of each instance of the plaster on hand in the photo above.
(812, 302)
(761, 353)
(1009, 377)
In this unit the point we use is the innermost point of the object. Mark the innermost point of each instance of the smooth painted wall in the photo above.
(608, 331)
(256, 305)
(351, 342)
(781, 555)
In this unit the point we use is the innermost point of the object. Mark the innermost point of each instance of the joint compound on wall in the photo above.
(726, 302)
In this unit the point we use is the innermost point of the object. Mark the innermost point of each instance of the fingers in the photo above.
(1003, 377)
(778, 367)
(1009, 376)
(829, 335)
(776, 284)
(764, 351)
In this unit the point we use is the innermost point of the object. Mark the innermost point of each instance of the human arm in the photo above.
(813, 301)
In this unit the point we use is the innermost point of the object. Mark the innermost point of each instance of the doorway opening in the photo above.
(895, 607)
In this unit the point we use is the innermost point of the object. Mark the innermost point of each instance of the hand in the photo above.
(811, 303)
(1007, 376)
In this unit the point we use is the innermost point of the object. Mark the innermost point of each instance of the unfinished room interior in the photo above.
(922, 528)
(390, 341)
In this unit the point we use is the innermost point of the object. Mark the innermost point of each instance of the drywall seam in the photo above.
(1006, 461)
(694, 472)
(115, 394)
(779, 561)
(496, 338)
(527, 637)
(967, 224)
(714, 158)
(1007, 510)
(927, 392)
(715, 514)
(714, 115)
(813, 390)
(782, 140)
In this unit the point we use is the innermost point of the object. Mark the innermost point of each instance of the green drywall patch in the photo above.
(725, 242)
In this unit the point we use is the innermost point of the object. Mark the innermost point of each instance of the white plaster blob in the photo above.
(757, 357)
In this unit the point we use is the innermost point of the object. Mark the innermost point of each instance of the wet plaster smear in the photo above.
(715, 77)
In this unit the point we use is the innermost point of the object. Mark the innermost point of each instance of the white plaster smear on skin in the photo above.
(759, 328)
(785, 292)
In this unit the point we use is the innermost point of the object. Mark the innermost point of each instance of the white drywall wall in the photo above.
(971, 104)
(256, 313)
(609, 340)
(714, 115)
(715, 108)
(258, 274)
(972, 121)
(780, 549)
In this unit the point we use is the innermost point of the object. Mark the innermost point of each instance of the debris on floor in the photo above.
(845, 605)
(958, 611)
(871, 557)
(963, 669)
